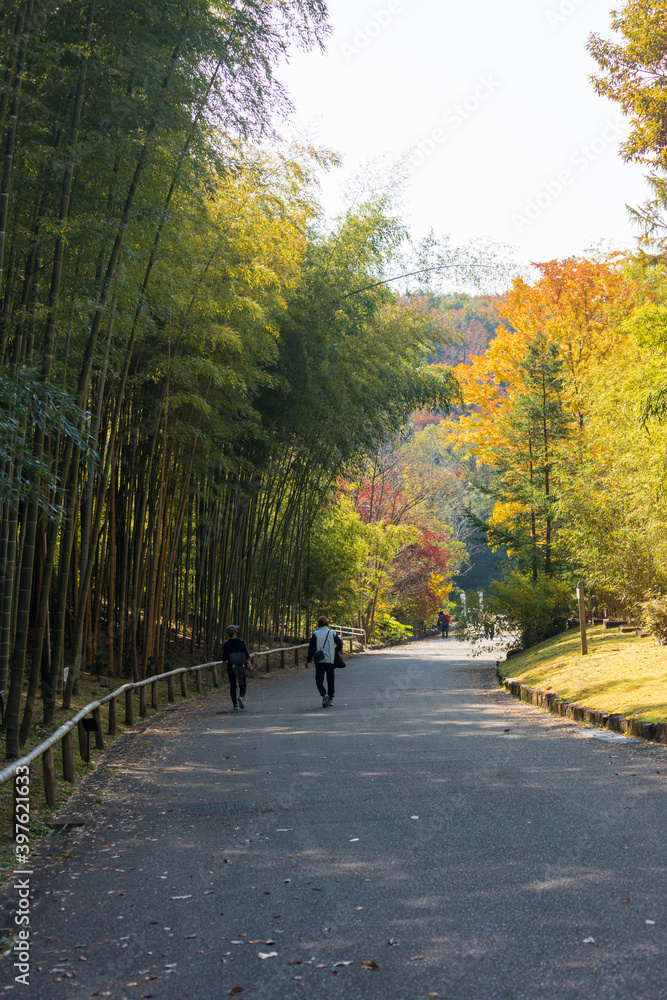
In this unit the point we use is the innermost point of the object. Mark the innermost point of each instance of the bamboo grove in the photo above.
(190, 361)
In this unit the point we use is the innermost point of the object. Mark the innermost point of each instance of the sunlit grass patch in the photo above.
(625, 674)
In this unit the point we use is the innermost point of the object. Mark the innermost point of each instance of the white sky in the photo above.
(394, 73)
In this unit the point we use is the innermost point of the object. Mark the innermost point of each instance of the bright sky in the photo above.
(492, 102)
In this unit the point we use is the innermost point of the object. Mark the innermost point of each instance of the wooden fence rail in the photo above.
(64, 732)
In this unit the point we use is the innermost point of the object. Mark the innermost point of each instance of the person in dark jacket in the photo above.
(321, 650)
(236, 655)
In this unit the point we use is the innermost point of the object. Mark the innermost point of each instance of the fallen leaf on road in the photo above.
(506, 730)
(320, 966)
(297, 961)
(258, 941)
(235, 989)
(392, 941)
(416, 958)
(267, 954)
(353, 840)
(338, 964)
(625, 900)
(181, 897)
(649, 921)
(370, 965)
(269, 942)
(589, 940)
(414, 817)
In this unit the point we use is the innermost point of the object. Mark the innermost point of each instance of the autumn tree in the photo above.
(632, 74)
(528, 400)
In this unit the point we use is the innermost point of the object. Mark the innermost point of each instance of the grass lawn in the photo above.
(621, 674)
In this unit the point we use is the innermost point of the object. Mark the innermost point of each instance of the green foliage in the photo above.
(632, 66)
(389, 631)
(26, 405)
(653, 616)
(519, 609)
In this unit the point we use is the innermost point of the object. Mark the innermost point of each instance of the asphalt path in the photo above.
(459, 843)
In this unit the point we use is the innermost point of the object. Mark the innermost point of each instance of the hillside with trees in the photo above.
(215, 404)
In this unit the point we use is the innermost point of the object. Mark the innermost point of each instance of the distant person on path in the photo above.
(443, 623)
(321, 650)
(236, 655)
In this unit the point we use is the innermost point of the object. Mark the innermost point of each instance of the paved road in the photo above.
(468, 845)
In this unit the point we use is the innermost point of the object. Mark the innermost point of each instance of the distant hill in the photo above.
(469, 324)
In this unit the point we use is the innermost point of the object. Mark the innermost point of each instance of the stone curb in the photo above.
(655, 732)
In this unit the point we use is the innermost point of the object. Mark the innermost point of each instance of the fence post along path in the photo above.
(64, 733)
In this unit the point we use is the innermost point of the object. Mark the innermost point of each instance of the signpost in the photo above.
(582, 618)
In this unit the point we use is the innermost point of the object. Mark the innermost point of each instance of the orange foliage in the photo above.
(581, 305)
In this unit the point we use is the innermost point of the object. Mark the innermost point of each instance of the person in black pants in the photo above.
(236, 655)
(321, 650)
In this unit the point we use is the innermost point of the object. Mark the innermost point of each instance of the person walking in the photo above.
(446, 625)
(441, 622)
(236, 655)
(321, 651)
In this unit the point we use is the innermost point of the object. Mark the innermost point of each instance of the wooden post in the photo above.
(296, 656)
(170, 690)
(129, 707)
(282, 658)
(143, 702)
(99, 735)
(214, 675)
(82, 740)
(112, 717)
(49, 776)
(351, 641)
(184, 684)
(582, 618)
(154, 695)
(198, 681)
(267, 665)
(68, 757)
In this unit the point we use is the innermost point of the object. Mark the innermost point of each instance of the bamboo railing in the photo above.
(65, 732)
